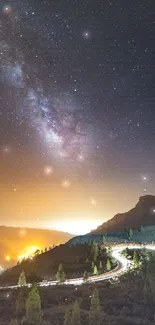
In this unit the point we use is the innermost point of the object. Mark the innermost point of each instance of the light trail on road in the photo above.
(120, 269)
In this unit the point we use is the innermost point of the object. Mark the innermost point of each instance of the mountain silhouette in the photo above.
(143, 214)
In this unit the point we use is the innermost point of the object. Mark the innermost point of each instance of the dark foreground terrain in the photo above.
(122, 302)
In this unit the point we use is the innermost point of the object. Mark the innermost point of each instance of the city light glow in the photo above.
(28, 252)
(78, 227)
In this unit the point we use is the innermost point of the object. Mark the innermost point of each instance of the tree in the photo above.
(60, 276)
(94, 313)
(37, 252)
(109, 249)
(96, 252)
(67, 319)
(34, 312)
(104, 237)
(20, 302)
(92, 266)
(14, 322)
(85, 276)
(75, 319)
(93, 245)
(95, 271)
(101, 267)
(22, 279)
(141, 229)
(130, 234)
(135, 259)
(108, 265)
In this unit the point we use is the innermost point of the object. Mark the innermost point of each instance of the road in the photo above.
(122, 265)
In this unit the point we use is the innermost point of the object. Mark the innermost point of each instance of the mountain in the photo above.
(143, 214)
(13, 241)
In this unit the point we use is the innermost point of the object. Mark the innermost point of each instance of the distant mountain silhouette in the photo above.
(143, 214)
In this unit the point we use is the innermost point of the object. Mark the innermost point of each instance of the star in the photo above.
(66, 184)
(93, 202)
(6, 149)
(48, 170)
(86, 35)
(7, 9)
(80, 157)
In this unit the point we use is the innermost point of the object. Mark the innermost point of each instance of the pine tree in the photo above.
(135, 259)
(85, 276)
(109, 249)
(130, 234)
(22, 279)
(101, 267)
(94, 313)
(14, 322)
(60, 276)
(92, 266)
(67, 319)
(20, 302)
(95, 271)
(108, 265)
(104, 238)
(75, 319)
(34, 312)
(96, 252)
(93, 245)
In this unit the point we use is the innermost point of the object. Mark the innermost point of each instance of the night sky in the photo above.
(77, 114)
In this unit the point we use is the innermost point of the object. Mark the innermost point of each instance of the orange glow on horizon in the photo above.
(77, 227)
(28, 252)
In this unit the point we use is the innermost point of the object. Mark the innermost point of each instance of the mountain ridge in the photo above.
(143, 214)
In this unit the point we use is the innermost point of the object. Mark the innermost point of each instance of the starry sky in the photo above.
(77, 115)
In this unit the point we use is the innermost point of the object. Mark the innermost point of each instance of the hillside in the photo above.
(144, 235)
(14, 240)
(142, 214)
(45, 265)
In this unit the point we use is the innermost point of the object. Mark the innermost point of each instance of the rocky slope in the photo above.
(143, 214)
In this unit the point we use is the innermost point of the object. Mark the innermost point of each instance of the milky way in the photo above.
(76, 85)
(60, 122)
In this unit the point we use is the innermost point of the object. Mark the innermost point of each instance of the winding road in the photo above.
(122, 265)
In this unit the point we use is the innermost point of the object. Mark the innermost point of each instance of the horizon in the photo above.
(86, 224)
